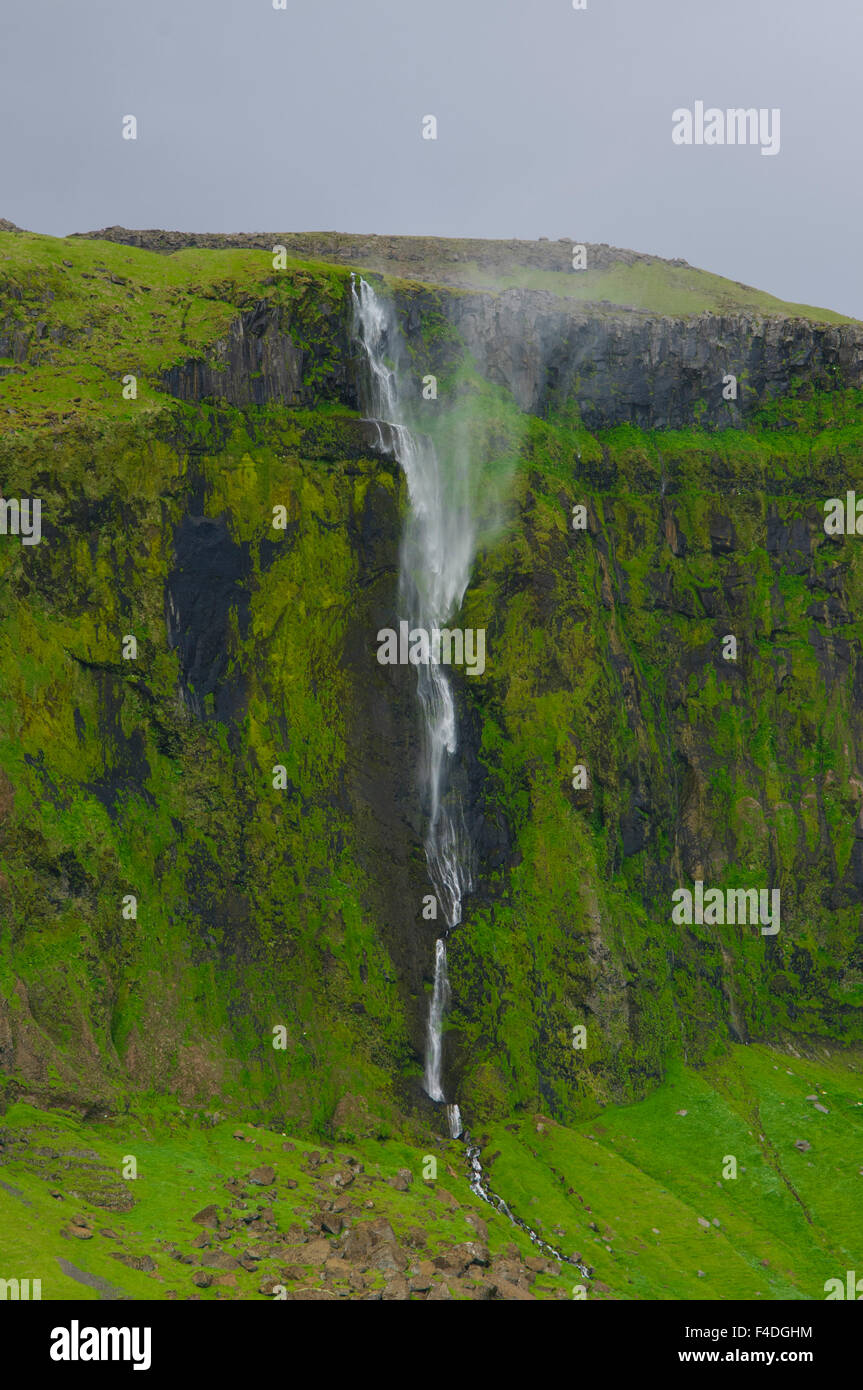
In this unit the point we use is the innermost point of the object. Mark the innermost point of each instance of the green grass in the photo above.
(182, 1168)
(650, 287)
(788, 1222)
(94, 312)
(643, 1174)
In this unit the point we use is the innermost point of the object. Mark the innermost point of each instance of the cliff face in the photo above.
(623, 364)
(654, 373)
(249, 775)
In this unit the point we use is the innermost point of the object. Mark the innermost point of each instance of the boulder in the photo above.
(388, 1259)
(79, 1232)
(144, 1263)
(218, 1259)
(317, 1252)
(207, 1216)
(396, 1290)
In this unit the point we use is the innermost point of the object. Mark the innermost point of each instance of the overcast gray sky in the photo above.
(552, 122)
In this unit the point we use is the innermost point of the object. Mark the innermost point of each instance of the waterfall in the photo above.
(436, 556)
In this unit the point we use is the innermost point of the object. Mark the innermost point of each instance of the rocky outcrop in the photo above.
(260, 363)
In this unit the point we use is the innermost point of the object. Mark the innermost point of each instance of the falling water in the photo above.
(439, 1001)
(436, 555)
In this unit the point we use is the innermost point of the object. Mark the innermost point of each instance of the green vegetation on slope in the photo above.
(649, 287)
(79, 316)
(261, 906)
(644, 1195)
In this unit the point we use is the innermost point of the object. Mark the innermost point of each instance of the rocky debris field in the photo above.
(304, 1223)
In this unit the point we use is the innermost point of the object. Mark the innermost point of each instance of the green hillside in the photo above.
(247, 774)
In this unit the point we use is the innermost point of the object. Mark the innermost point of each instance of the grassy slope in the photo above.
(789, 1221)
(642, 1174)
(120, 310)
(658, 287)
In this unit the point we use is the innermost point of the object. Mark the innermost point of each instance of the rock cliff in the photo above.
(299, 905)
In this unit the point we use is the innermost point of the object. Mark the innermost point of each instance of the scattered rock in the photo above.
(144, 1263)
(359, 1243)
(396, 1290)
(317, 1252)
(202, 1279)
(264, 1176)
(421, 1281)
(218, 1259)
(207, 1216)
(513, 1293)
(476, 1221)
(79, 1232)
(381, 1230)
(803, 1145)
(447, 1198)
(388, 1259)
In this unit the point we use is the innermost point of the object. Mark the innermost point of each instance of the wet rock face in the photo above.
(209, 580)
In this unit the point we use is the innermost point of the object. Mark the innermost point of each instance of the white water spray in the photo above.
(436, 556)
